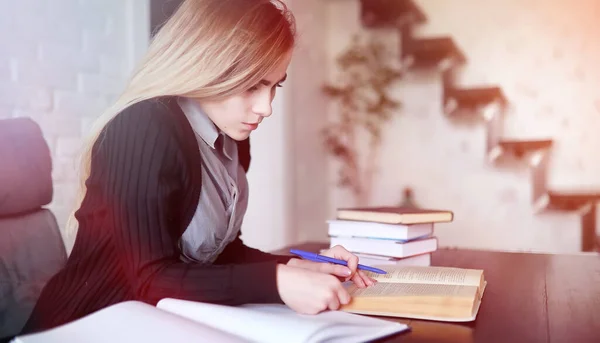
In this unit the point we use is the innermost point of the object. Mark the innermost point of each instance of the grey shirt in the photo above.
(224, 195)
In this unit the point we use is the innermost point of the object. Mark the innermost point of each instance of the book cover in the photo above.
(353, 228)
(395, 215)
(386, 247)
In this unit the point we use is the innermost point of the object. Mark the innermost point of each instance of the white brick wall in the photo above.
(61, 63)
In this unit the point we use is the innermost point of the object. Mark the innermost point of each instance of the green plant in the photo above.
(365, 106)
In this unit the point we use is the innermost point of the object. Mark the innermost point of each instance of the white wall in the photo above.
(308, 112)
(266, 224)
(287, 177)
(544, 55)
(61, 63)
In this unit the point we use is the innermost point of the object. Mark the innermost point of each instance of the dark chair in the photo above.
(31, 245)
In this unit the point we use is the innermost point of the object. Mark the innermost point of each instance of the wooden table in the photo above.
(528, 298)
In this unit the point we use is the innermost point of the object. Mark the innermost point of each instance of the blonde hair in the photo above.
(207, 50)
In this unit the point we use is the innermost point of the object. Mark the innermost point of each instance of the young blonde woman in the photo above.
(165, 189)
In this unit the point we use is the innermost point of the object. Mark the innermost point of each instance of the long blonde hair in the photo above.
(207, 50)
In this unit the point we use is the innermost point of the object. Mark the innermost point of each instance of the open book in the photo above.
(434, 293)
(174, 320)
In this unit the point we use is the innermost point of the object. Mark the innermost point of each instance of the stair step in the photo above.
(518, 148)
(471, 99)
(390, 13)
(440, 52)
(566, 201)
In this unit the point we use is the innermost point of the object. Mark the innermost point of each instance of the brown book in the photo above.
(432, 293)
(395, 215)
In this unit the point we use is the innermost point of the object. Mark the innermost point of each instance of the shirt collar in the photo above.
(229, 146)
(204, 127)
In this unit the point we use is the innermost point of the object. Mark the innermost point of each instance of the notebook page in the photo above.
(342, 327)
(244, 322)
(130, 322)
(432, 275)
(274, 322)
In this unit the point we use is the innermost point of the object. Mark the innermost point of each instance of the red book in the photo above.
(395, 215)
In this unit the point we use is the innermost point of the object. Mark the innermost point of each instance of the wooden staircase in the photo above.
(443, 54)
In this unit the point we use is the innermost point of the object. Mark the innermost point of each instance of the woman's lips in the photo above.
(251, 126)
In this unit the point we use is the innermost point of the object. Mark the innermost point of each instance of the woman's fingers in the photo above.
(366, 279)
(328, 268)
(339, 252)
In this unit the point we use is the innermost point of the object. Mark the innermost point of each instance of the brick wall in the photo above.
(61, 63)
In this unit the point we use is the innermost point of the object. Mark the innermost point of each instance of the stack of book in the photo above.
(388, 235)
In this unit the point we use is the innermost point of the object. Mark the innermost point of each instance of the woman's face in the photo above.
(237, 116)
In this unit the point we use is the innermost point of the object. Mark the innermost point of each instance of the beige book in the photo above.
(433, 293)
(395, 215)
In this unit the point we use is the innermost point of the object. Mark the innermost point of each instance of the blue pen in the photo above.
(320, 258)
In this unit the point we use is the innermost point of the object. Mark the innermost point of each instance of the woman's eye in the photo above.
(279, 85)
(253, 89)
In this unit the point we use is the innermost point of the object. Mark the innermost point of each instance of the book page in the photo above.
(430, 275)
(413, 289)
(277, 323)
(130, 321)
(469, 318)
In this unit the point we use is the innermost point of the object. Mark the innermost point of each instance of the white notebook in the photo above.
(175, 320)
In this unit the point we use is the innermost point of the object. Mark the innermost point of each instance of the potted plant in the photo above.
(367, 70)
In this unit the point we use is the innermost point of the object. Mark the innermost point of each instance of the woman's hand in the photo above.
(310, 292)
(351, 272)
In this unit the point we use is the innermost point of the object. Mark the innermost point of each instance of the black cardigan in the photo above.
(142, 193)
